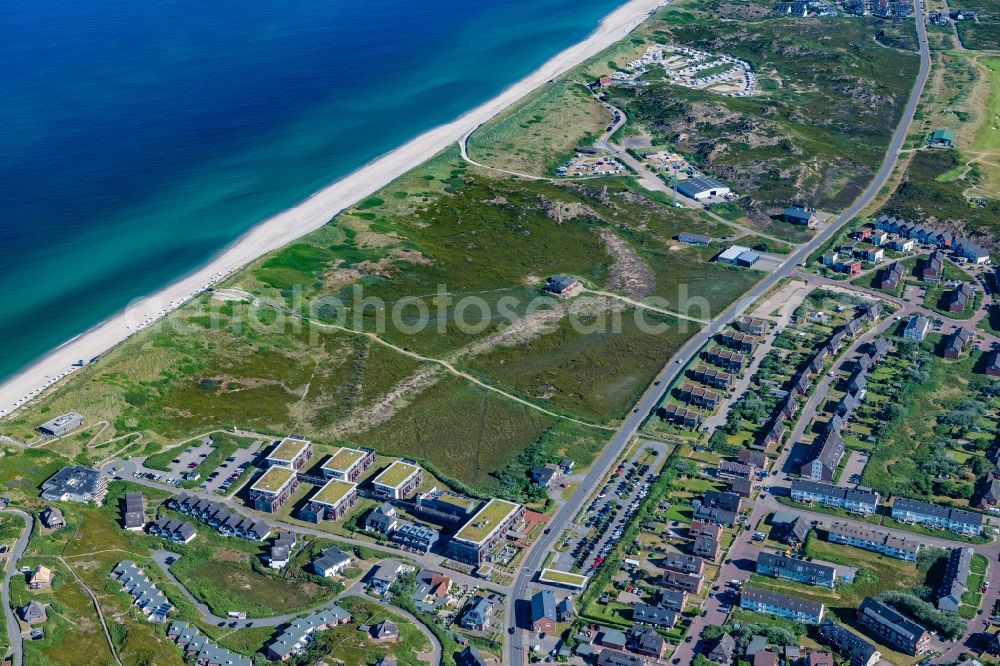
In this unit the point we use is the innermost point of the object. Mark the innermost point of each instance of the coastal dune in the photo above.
(307, 216)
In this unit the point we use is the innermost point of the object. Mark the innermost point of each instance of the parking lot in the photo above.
(853, 469)
(189, 466)
(221, 479)
(186, 460)
(604, 520)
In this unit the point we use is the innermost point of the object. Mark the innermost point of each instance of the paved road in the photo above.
(16, 650)
(911, 306)
(516, 653)
(356, 590)
(125, 468)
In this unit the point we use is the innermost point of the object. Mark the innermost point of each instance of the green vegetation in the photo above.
(346, 645)
(833, 98)
(983, 146)
(227, 574)
(939, 409)
(921, 194)
(949, 626)
(984, 33)
(591, 367)
(876, 573)
(491, 238)
(540, 133)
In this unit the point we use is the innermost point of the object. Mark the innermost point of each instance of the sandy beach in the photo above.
(308, 216)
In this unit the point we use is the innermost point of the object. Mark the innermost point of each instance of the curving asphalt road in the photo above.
(356, 590)
(16, 650)
(516, 652)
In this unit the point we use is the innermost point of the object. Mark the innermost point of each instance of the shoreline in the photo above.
(30, 383)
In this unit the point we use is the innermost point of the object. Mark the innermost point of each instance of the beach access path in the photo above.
(308, 216)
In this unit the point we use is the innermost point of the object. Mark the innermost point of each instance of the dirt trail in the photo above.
(519, 331)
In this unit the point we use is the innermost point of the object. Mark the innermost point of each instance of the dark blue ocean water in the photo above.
(139, 138)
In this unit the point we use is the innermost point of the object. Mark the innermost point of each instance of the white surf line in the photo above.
(310, 215)
(644, 306)
(427, 359)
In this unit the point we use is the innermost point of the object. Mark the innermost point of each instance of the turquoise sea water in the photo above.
(138, 139)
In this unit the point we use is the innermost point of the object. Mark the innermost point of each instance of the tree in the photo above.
(979, 466)
(949, 626)
(712, 632)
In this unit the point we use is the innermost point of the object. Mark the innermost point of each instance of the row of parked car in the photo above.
(233, 477)
(629, 480)
(157, 477)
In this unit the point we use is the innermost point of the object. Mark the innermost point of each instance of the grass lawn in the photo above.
(226, 574)
(680, 512)
(349, 645)
(876, 573)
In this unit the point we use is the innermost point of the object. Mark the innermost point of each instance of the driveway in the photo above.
(853, 469)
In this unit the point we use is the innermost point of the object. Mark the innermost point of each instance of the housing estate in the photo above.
(446, 506)
(220, 517)
(656, 616)
(824, 456)
(331, 502)
(917, 328)
(894, 628)
(296, 635)
(331, 562)
(199, 649)
(852, 646)
(398, 481)
(274, 487)
(956, 579)
(800, 571)
(479, 614)
(473, 543)
(292, 452)
(147, 598)
(849, 499)
(760, 600)
(874, 539)
(348, 464)
(133, 508)
(173, 530)
(934, 515)
(543, 611)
